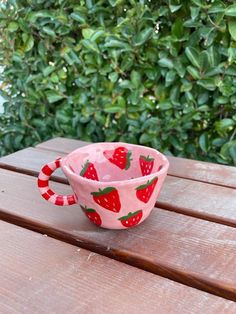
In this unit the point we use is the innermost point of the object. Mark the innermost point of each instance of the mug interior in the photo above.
(108, 162)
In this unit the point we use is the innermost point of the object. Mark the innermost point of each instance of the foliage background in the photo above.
(158, 73)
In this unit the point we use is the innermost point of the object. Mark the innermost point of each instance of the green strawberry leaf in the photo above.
(104, 191)
(142, 187)
(84, 169)
(87, 210)
(146, 158)
(129, 215)
(128, 160)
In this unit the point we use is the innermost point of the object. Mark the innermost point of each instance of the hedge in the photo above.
(158, 73)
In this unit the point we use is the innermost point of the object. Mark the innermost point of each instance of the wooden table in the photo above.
(182, 259)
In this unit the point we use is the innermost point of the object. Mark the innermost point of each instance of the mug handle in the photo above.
(46, 192)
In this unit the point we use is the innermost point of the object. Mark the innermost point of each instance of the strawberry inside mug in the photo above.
(108, 162)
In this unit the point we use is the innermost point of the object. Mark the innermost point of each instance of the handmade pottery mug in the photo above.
(115, 184)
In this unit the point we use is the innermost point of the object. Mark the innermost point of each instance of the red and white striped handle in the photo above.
(46, 192)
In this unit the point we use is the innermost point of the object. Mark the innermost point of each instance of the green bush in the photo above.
(158, 73)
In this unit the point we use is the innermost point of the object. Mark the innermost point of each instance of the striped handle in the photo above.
(46, 192)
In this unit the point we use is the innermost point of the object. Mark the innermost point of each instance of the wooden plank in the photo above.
(197, 199)
(195, 252)
(30, 161)
(62, 145)
(179, 167)
(203, 171)
(42, 275)
(206, 201)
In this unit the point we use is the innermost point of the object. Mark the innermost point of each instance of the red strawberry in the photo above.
(120, 157)
(144, 192)
(92, 215)
(146, 164)
(108, 198)
(132, 219)
(89, 171)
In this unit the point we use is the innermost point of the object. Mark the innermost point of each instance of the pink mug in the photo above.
(115, 184)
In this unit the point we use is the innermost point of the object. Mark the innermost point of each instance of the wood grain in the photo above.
(179, 167)
(195, 252)
(201, 200)
(197, 199)
(203, 171)
(42, 275)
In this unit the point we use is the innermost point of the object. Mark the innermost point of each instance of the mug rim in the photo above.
(66, 169)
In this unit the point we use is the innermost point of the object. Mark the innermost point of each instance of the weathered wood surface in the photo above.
(179, 167)
(198, 199)
(42, 275)
(189, 250)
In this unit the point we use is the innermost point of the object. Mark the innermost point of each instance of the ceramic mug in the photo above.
(115, 184)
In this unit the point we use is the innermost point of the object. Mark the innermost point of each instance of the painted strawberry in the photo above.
(92, 215)
(146, 164)
(108, 198)
(144, 192)
(120, 157)
(132, 219)
(89, 171)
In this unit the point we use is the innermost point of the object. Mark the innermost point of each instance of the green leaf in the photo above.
(166, 63)
(113, 109)
(193, 72)
(232, 29)
(32, 17)
(89, 4)
(208, 83)
(90, 45)
(48, 70)
(112, 2)
(165, 105)
(228, 150)
(194, 12)
(204, 60)
(170, 77)
(217, 8)
(143, 36)
(193, 56)
(224, 125)
(13, 26)
(174, 8)
(231, 10)
(203, 142)
(53, 96)
(77, 16)
(87, 33)
(135, 78)
(114, 43)
(113, 76)
(97, 34)
(29, 44)
(47, 30)
(177, 28)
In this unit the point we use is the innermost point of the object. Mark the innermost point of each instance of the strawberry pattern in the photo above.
(108, 198)
(120, 157)
(132, 219)
(92, 215)
(88, 171)
(144, 192)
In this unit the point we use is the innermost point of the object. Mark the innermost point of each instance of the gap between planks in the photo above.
(160, 269)
(164, 205)
(174, 246)
(55, 276)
